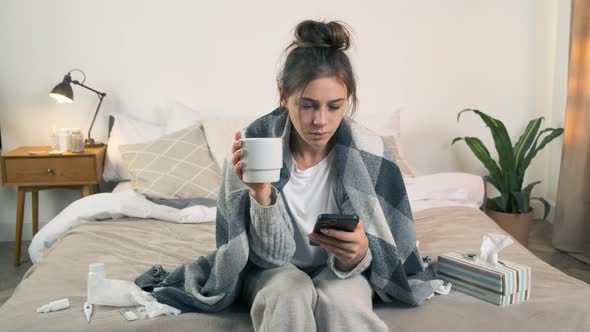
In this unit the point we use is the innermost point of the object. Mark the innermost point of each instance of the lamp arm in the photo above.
(89, 88)
(100, 96)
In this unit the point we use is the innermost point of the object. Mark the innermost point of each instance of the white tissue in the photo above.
(152, 307)
(437, 284)
(113, 292)
(491, 245)
(122, 293)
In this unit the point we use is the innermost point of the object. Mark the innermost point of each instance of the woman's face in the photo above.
(318, 113)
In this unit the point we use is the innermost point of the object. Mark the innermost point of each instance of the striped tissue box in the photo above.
(502, 285)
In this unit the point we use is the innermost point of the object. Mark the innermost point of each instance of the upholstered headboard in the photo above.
(111, 123)
(485, 194)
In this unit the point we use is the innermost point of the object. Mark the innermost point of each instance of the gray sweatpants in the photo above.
(289, 299)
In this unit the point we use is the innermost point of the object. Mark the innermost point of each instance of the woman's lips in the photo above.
(318, 136)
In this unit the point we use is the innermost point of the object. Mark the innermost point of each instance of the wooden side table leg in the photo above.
(35, 195)
(97, 188)
(20, 210)
(85, 190)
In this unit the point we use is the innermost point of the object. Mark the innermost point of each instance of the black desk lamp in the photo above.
(63, 93)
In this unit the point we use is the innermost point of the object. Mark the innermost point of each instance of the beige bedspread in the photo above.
(128, 247)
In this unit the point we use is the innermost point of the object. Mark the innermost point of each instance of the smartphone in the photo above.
(341, 222)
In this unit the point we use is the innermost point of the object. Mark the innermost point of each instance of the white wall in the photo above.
(431, 58)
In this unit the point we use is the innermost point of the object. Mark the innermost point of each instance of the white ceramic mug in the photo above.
(262, 159)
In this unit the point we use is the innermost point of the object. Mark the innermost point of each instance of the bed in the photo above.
(558, 302)
(447, 210)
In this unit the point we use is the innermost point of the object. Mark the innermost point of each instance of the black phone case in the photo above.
(341, 222)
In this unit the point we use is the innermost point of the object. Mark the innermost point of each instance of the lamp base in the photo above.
(90, 143)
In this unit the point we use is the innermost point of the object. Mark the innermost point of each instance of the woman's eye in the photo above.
(309, 107)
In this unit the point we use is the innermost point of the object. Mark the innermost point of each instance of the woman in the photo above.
(330, 165)
(314, 286)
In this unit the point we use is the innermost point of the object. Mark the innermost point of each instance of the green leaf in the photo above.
(456, 139)
(493, 181)
(504, 148)
(553, 133)
(529, 188)
(482, 153)
(545, 204)
(556, 133)
(522, 201)
(526, 140)
(501, 203)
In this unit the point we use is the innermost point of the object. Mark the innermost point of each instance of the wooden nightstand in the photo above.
(35, 172)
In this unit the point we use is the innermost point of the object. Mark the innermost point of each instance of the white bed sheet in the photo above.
(123, 186)
(110, 206)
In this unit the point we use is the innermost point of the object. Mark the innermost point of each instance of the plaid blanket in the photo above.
(375, 187)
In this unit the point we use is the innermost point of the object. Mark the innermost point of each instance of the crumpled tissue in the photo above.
(121, 293)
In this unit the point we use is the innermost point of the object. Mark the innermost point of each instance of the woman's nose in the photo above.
(319, 117)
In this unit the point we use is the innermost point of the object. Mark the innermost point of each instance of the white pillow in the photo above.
(220, 129)
(128, 129)
(382, 123)
(178, 116)
(445, 189)
(387, 124)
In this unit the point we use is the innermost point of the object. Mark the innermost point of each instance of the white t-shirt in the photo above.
(308, 194)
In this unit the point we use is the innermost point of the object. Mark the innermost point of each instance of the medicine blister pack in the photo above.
(133, 313)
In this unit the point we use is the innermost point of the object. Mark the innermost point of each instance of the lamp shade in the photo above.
(63, 92)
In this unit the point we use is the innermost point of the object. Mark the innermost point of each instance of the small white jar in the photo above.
(64, 139)
(77, 140)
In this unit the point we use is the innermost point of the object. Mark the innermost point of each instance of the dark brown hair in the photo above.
(318, 51)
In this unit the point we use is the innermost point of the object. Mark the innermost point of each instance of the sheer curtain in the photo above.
(571, 232)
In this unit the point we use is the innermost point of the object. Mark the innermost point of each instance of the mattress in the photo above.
(129, 246)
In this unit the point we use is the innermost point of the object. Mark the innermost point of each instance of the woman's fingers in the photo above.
(340, 254)
(237, 142)
(237, 156)
(324, 239)
(237, 165)
(344, 236)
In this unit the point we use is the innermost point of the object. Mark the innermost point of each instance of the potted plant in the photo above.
(511, 209)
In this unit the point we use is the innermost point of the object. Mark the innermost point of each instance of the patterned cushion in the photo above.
(177, 165)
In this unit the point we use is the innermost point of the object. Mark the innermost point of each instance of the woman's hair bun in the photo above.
(311, 33)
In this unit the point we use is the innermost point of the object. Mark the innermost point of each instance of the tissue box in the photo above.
(503, 285)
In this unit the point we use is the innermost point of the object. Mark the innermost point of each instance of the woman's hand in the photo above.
(349, 248)
(260, 191)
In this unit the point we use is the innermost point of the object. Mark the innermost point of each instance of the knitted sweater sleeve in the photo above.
(270, 233)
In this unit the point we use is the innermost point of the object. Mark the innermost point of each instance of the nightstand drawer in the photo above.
(50, 170)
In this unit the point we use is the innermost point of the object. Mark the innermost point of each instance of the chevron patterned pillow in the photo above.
(177, 165)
